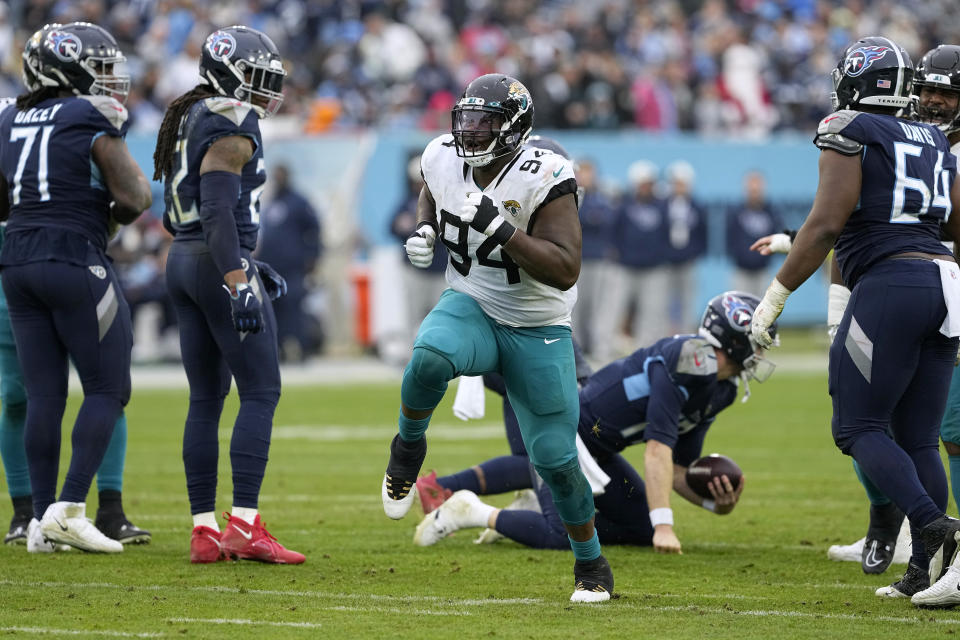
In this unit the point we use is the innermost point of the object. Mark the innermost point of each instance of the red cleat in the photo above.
(205, 546)
(245, 541)
(432, 495)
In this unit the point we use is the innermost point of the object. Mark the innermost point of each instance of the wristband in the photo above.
(777, 294)
(663, 515)
(709, 505)
(431, 224)
(837, 298)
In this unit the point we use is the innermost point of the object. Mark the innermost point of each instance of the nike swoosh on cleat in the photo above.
(60, 525)
(215, 541)
(871, 559)
(246, 535)
(545, 341)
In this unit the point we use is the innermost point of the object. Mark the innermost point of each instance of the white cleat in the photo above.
(523, 500)
(396, 509)
(904, 549)
(847, 552)
(66, 523)
(36, 543)
(944, 594)
(462, 509)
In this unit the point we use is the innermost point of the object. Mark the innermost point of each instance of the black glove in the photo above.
(273, 282)
(245, 309)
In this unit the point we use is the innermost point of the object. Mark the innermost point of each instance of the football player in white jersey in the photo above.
(507, 213)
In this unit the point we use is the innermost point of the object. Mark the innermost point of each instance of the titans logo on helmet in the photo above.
(221, 45)
(738, 312)
(860, 59)
(65, 46)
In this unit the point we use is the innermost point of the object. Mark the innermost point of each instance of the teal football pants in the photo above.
(537, 364)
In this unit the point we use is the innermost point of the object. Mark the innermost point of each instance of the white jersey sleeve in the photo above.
(477, 265)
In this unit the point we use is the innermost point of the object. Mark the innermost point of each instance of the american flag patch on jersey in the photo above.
(883, 84)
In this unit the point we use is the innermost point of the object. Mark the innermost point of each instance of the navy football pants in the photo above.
(212, 350)
(890, 371)
(61, 312)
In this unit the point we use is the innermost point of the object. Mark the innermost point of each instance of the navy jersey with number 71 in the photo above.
(53, 185)
(204, 123)
(907, 172)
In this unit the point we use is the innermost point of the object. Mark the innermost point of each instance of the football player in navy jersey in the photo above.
(886, 186)
(68, 178)
(666, 395)
(110, 519)
(210, 155)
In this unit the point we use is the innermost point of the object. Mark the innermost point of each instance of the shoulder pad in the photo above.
(955, 149)
(697, 358)
(6, 102)
(838, 143)
(115, 113)
(836, 121)
(436, 151)
(233, 110)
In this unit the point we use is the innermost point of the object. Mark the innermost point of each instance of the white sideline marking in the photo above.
(304, 625)
(421, 612)
(75, 632)
(777, 613)
(349, 433)
(276, 592)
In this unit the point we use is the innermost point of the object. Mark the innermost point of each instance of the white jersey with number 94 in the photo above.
(477, 266)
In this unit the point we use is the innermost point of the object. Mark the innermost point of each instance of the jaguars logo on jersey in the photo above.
(512, 206)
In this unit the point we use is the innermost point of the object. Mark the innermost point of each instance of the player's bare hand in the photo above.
(665, 540)
(773, 243)
(725, 496)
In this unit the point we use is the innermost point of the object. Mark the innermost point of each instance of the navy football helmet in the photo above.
(83, 58)
(244, 63)
(542, 142)
(939, 69)
(726, 325)
(492, 119)
(31, 76)
(873, 71)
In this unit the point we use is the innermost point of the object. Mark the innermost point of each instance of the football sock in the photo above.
(895, 473)
(877, 498)
(206, 519)
(503, 474)
(412, 430)
(14, 455)
(246, 514)
(954, 462)
(918, 554)
(200, 453)
(91, 437)
(587, 550)
(110, 473)
(250, 446)
(110, 501)
(23, 505)
(532, 529)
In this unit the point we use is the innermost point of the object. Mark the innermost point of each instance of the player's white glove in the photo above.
(419, 245)
(482, 214)
(767, 313)
(780, 243)
(837, 299)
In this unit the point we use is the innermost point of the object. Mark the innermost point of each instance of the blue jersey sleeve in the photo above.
(664, 406)
(690, 445)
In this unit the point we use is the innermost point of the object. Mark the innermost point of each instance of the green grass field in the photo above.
(760, 572)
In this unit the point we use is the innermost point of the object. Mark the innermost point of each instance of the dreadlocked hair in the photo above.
(170, 127)
(33, 98)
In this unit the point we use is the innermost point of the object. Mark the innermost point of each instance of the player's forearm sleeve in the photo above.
(219, 191)
(663, 407)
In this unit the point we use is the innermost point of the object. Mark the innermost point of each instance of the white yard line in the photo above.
(778, 613)
(100, 633)
(267, 623)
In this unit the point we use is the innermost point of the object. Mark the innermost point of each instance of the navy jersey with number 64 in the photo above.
(907, 170)
(57, 196)
(207, 121)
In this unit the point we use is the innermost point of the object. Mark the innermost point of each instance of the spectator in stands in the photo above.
(687, 233)
(639, 274)
(291, 241)
(597, 213)
(746, 222)
(422, 286)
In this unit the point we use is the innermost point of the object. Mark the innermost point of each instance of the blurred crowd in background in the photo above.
(743, 66)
